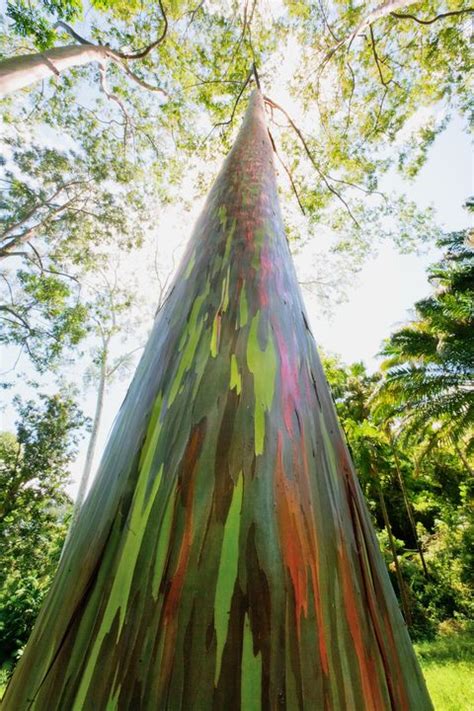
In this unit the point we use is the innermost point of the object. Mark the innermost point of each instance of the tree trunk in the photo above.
(463, 458)
(26, 69)
(393, 549)
(408, 506)
(81, 494)
(224, 558)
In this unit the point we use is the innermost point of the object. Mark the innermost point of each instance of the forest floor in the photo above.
(448, 667)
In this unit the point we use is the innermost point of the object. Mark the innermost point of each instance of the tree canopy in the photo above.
(34, 509)
(94, 152)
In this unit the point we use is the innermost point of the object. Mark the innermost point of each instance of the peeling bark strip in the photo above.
(225, 558)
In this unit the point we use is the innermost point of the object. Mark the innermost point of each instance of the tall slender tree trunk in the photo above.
(408, 506)
(86, 473)
(224, 558)
(21, 71)
(463, 458)
(393, 549)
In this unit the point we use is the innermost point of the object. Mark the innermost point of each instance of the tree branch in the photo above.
(120, 57)
(142, 53)
(377, 59)
(384, 9)
(113, 97)
(311, 157)
(287, 171)
(18, 316)
(141, 82)
(42, 203)
(71, 31)
(239, 96)
(27, 234)
(441, 16)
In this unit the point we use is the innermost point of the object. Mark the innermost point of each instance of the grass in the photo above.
(448, 667)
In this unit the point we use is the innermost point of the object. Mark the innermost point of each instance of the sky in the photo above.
(387, 286)
(390, 284)
(378, 300)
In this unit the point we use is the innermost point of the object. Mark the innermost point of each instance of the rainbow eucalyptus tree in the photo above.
(224, 558)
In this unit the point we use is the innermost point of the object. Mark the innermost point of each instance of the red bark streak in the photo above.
(371, 595)
(369, 675)
(315, 562)
(402, 700)
(265, 275)
(292, 544)
(189, 465)
(289, 381)
(298, 538)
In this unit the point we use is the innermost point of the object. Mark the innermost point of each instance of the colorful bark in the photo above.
(225, 558)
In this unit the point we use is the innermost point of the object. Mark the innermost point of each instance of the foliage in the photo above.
(60, 213)
(133, 128)
(429, 366)
(379, 80)
(34, 509)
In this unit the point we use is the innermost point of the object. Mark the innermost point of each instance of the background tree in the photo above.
(427, 496)
(34, 509)
(429, 366)
(111, 315)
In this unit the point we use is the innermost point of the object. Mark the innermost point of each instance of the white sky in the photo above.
(390, 284)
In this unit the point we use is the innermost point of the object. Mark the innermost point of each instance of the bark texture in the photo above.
(224, 558)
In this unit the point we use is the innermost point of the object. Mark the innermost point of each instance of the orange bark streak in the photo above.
(299, 541)
(368, 671)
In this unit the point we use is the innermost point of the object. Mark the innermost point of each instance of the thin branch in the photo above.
(18, 316)
(212, 81)
(311, 157)
(377, 59)
(441, 16)
(239, 96)
(326, 21)
(141, 82)
(378, 13)
(193, 13)
(141, 54)
(379, 113)
(23, 237)
(255, 73)
(9, 370)
(349, 104)
(115, 98)
(122, 360)
(41, 203)
(356, 186)
(38, 256)
(287, 171)
(247, 22)
(12, 300)
(71, 32)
